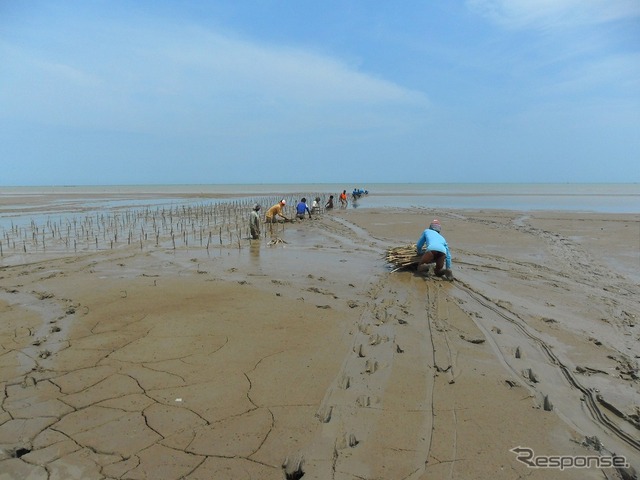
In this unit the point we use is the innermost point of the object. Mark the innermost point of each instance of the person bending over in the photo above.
(275, 211)
(437, 251)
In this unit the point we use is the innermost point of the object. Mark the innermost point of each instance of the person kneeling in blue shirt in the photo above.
(437, 251)
(301, 208)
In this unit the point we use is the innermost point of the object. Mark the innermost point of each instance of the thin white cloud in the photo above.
(181, 79)
(543, 14)
(294, 74)
(573, 51)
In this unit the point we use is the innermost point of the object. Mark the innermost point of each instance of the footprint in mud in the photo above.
(377, 340)
(320, 291)
(293, 468)
(28, 381)
(324, 414)
(476, 341)
(42, 295)
(530, 375)
(365, 328)
(345, 382)
(371, 366)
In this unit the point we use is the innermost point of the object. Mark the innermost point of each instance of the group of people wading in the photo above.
(432, 247)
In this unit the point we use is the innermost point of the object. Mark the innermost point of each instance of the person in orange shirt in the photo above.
(343, 199)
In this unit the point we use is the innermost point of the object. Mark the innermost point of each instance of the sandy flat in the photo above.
(301, 353)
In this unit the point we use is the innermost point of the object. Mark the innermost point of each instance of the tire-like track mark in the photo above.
(590, 397)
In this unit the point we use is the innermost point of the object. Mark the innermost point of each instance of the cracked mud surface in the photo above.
(307, 359)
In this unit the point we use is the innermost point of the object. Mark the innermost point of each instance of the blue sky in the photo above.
(353, 91)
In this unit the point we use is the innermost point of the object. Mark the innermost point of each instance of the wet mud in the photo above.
(306, 358)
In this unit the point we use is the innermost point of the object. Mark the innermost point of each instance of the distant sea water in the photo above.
(573, 197)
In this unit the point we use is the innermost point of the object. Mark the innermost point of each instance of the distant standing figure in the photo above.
(329, 204)
(437, 251)
(343, 199)
(254, 222)
(301, 208)
(275, 211)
